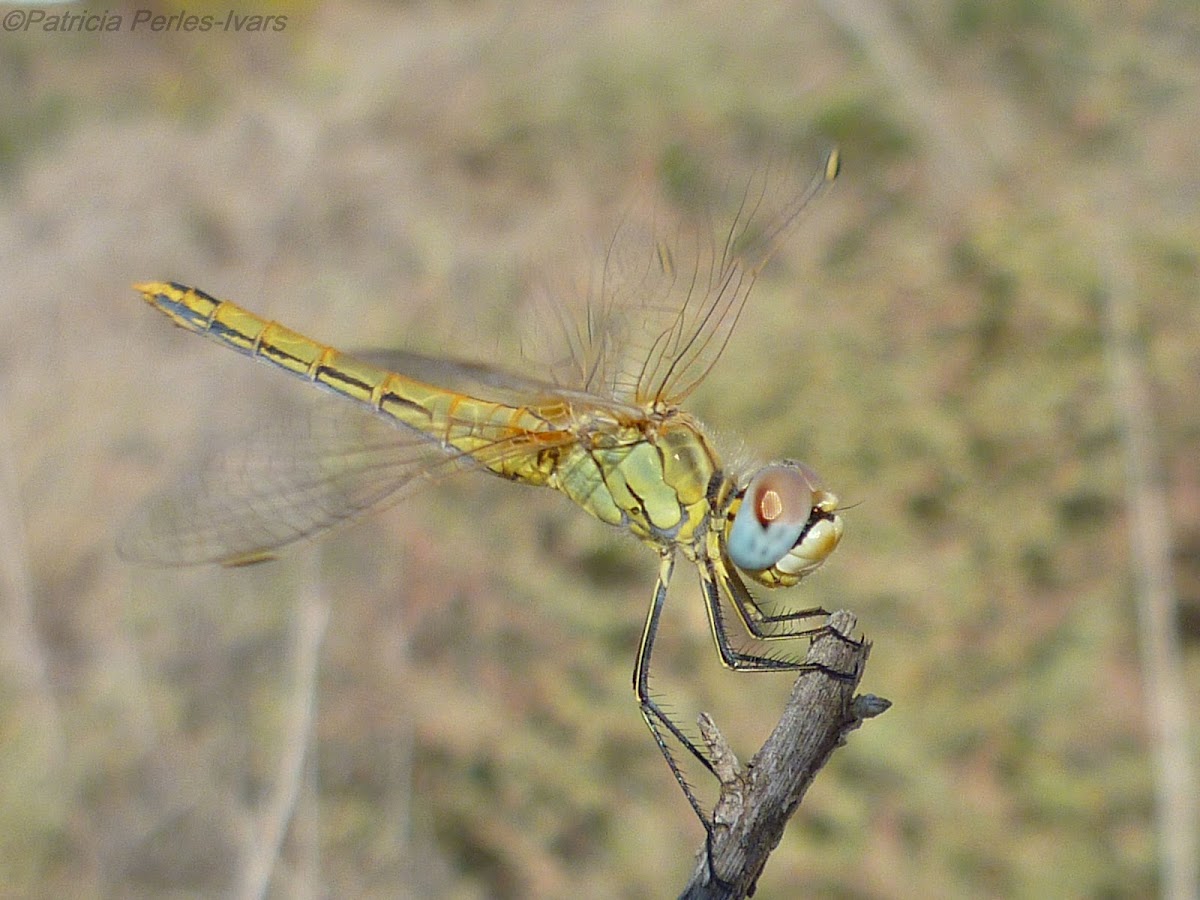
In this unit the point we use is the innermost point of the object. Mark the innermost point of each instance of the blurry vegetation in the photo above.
(931, 346)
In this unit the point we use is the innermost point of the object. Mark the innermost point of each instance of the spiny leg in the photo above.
(711, 581)
(655, 717)
(755, 619)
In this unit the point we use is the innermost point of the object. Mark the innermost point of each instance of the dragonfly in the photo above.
(611, 436)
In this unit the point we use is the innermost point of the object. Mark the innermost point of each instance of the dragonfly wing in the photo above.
(290, 480)
(664, 296)
(469, 378)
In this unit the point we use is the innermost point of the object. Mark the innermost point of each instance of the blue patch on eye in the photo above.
(753, 546)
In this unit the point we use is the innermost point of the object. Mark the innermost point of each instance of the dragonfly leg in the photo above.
(655, 717)
(753, 618)
(657, 720)
(758, 622)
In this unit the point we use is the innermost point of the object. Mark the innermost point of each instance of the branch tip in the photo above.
(868, 706)
(725, 762)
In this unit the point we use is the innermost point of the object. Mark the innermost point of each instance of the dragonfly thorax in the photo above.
(650, 476)
(782, 525)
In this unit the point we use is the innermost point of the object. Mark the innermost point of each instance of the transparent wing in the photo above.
(484, 381)
(665, 294)
(297, 477)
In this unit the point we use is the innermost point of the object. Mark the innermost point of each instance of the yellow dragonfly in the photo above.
(616, 441)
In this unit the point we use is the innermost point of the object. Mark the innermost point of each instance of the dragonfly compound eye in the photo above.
(773, 516)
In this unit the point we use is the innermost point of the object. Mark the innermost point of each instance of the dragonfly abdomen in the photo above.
(238, 328)
(508, 440)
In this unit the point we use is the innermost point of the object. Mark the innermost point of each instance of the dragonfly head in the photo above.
(782, 525)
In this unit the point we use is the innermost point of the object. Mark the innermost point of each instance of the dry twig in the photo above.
(1150, 543)
(756, 803)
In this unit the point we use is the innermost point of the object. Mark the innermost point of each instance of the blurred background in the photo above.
(985, 337)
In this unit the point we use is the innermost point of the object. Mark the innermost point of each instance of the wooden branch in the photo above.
(756, 803)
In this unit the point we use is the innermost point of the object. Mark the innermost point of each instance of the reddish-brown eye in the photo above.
(776, 507)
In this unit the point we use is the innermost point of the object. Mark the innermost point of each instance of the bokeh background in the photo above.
(436, 702)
